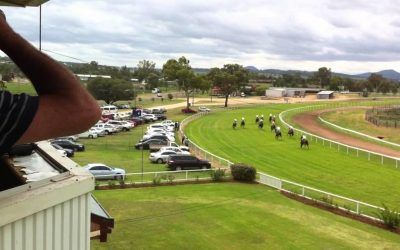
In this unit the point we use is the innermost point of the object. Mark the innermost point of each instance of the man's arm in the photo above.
(65, 107)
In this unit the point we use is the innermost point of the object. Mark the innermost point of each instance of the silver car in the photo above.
(104, 172)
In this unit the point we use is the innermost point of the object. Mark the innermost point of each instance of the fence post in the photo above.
(396, 163)
(382, 159)
(369, 156)
(186, 175)
(358, 208)
(303, 191)
(347, 150)
(330, 144)
(357, 152)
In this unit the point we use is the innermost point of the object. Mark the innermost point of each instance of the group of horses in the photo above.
(278, 134)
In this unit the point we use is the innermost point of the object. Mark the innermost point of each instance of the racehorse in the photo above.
(278, 133)
(270, 118)
(273, 126)
(303, 142)
(290, 132)
(261, 124)
(234, 124)
(242, 123)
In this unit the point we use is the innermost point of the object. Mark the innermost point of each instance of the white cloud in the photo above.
(348, 36)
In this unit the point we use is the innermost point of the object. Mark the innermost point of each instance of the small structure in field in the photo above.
(325, 94)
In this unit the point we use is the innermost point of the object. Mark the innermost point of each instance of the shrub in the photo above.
(170, 96)
(171, 178)
(218, 175)
(327, 200)
(122, 183)
(390, 217)
(157, 180)
(243, 172)
(111, 184)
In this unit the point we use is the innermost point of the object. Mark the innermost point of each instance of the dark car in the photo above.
(146, 144)
(161, 116)
(160, 137)
(69, 144)
(137, 120)
(70, 152)
(179, 162)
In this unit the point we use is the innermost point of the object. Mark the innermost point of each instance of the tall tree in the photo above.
(144, 69)
(181, 71)
(110, 90)
(324, 76)
(228, 79)
(375, 81)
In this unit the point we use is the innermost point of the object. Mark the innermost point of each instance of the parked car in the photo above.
(161, 126)
(137, 120)
(179, 162)
(146, 144)
(108, 128)
(158, 111)
(161, 156)
(99, 131)
(157, 147)
(69, 137)
(158, 136)
(69, 144)
(178, 150)
(204, 109)
(126, 126)
(102, 171)
(149, 118)
(88, 134)
(160, 116)
(68, 152)
(109, 109)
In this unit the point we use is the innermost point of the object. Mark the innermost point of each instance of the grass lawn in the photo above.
(355, 119)
(229, 216)
(18, 88)
(118, 150)
(320, 167)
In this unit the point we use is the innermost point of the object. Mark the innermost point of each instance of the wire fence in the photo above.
(384, 116)
(330, 199)
(341, 147)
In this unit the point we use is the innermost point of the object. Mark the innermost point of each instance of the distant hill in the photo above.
(389, 73)
(251, 68)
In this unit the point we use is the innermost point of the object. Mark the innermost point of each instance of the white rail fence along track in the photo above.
(340, 202)
(359, 152)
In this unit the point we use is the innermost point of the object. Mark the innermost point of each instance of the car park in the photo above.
(100, 132)
(159, 136)
(69, 144)
(103, 172)
(180, 162)
(88, 134)
(108, 128)
(68, 152)
(161, 156)
(125, 126)
(178, 150)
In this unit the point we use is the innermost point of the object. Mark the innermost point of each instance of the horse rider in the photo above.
(261, 123)
(257, 119)
(270, 118)
(290, 131)
(234, 123)
(242, 123)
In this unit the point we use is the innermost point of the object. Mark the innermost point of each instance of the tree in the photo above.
(152, 81)
(324, 76)
(110, 90)
(228, 79)
(181, 71)
(375, 81)
(144, 69)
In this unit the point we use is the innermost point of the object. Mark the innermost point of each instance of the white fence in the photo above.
(162, 176)
(359, 152)
(337, 201)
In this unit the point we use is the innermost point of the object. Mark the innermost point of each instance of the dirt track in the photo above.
(310, 120)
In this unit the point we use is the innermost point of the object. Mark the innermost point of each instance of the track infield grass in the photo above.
(229, 216)
(319, 167)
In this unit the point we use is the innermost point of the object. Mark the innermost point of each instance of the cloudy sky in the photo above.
(349, 36)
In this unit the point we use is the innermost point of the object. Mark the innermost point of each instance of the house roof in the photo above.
(326, 92)
(22, 3)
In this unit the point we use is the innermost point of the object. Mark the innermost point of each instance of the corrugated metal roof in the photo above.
(326, 92)
(22, 3)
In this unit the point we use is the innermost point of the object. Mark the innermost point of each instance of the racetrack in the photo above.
(309, 121)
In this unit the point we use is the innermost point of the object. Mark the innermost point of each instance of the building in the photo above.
(46, 202)
(325, 94)
(83, 77)
(275, 92)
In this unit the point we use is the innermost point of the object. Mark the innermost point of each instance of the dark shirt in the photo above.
(16, 114)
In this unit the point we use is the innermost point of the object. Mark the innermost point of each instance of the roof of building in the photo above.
(22, 3)
(325, 92)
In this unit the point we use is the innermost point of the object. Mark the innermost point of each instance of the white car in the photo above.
(178, 150)
(108, 128)
(170, 138)
(102, 171)
(204, 109)
(69, 137)
(158, 130)
(88, 134)
(126, 126)
(161, 126)
(99, 131)
(150, 117)
(161, 157)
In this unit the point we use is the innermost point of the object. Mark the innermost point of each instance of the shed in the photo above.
(325, 94)
(275, 92)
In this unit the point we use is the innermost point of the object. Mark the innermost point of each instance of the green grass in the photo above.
(319, 167)
(17, 88)
(118, 150)
(229, 216)
(354, 119)
(148, 102)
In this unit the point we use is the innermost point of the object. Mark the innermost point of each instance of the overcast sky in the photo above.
(349, 36)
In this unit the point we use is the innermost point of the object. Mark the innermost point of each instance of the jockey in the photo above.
(278, 129)
(303, 137)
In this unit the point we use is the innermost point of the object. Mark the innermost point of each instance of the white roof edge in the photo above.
(31, 198)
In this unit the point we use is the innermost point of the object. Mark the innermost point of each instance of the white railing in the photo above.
(162, 176)
(199, 151)
(337, 201)
(335, 144)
